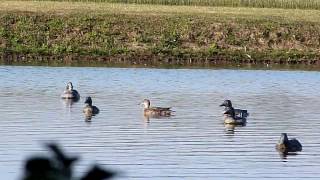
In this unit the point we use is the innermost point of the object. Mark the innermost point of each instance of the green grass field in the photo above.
(154, 10)
(287, 4)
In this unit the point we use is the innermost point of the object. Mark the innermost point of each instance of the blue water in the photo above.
(193, 144)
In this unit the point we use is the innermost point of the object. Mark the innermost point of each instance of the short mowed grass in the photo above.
(288, 4)
(92, 8)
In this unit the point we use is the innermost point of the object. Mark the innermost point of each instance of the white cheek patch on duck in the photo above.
(69, 87)
(146, 105)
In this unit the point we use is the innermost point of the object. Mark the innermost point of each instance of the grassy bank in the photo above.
(151, 34)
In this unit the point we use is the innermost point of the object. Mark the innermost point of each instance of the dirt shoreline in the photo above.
(151, 61)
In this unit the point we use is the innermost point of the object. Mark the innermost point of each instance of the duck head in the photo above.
(88, 101)
(69, 86)
(226, 103)
(283, 138)
(146, 103)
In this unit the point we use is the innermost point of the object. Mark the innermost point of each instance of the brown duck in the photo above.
(155, 111)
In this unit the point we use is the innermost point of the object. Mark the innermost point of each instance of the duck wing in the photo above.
(75, 92)
(241, 113)
(161, 108)
(294, 145)
(158, 111)
(95, 110)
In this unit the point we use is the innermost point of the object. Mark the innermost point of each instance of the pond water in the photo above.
(193, 144)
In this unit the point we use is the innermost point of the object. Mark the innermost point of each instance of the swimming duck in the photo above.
(70, 93)
(286, 145)
(90, 110)
(238, 112)
(155, 111)
(234, 116)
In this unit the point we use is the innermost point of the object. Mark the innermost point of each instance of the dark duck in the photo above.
(286, 145)
(89, 109)
(234, 116)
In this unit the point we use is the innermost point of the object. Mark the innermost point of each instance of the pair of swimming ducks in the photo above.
(238, 117)
(231, 116)
(72, 94)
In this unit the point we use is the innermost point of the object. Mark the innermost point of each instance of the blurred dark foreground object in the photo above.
(59, 167)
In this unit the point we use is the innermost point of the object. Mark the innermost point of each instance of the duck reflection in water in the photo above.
(59, 167)
(286, 146)
(88, 118)
(68, 102)
(229, 128)
(284, 155)
(147, 119)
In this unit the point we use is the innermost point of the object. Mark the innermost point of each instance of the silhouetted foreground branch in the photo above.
(59, 167)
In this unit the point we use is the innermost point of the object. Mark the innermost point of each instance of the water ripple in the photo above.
(193, 144)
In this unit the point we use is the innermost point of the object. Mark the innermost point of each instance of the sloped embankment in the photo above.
(179, 39)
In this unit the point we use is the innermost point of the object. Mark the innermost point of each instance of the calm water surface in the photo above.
(193, 144)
